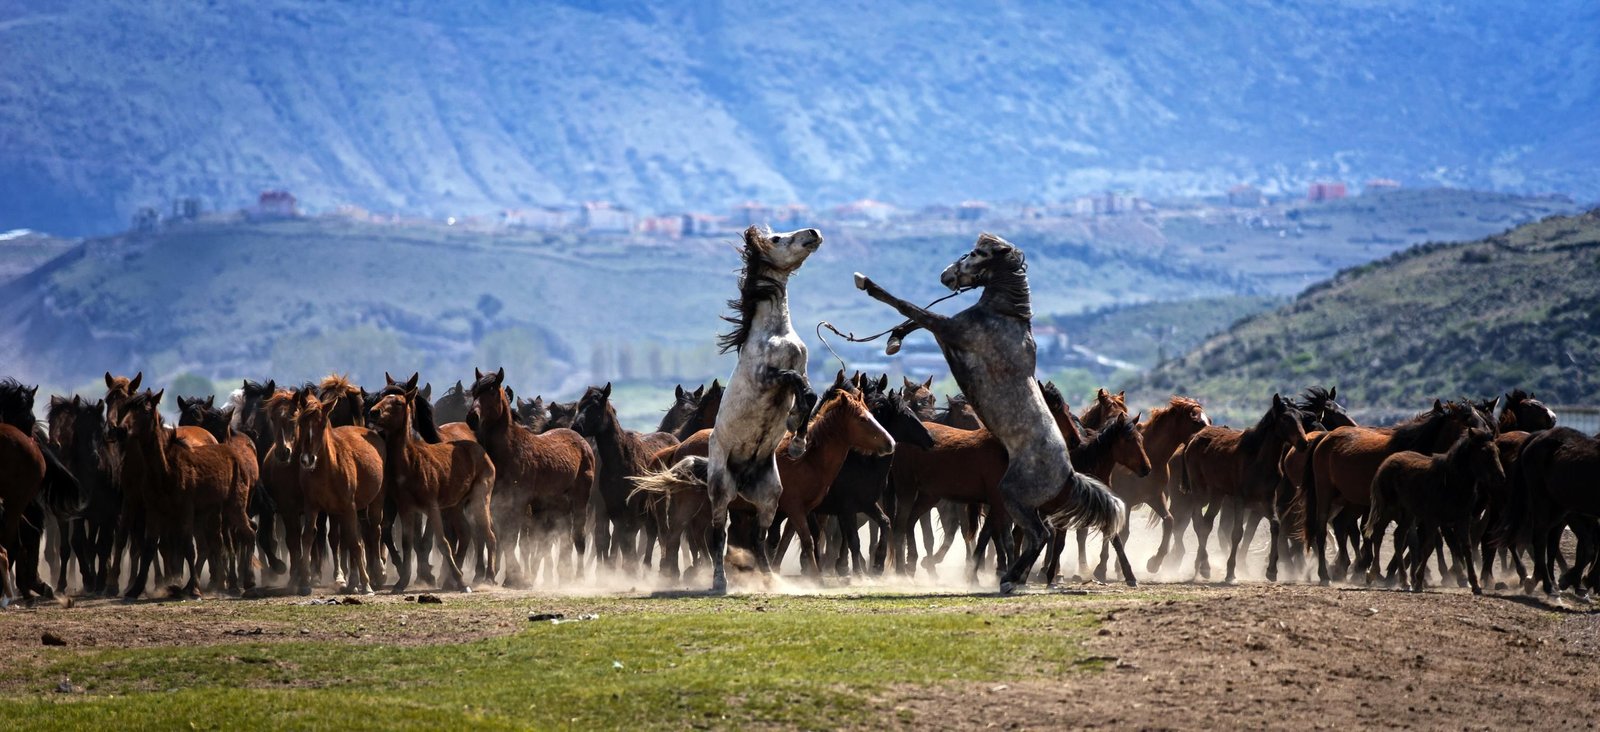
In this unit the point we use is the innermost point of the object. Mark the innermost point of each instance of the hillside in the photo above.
(474, 106)
(298, 298)
(1518, 309)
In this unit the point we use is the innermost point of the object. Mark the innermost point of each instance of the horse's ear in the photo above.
(606, 392)
(908, 382)
(272, 386)
(427, 392)
(700, 392)
(677, 392)
(928, 384)
(412, 382)
(716, 384)
(156, 399)
(1277, 401)
(1122, 394)
(1438, 406)
(1333, 392)
(500, 376)
(387, 379)
(476, 375)
(1137, 418)
(211, 401)
(109, 380)
(838, 379)
(137, 379)
(883, 383)
(1101, 393)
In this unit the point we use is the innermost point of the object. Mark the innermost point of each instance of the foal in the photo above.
(1430, 495)
(432, 478)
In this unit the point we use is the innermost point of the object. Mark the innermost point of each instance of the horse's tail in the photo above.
(660, 485)
(1310, 520)
(1379, 506)
(1090, 504)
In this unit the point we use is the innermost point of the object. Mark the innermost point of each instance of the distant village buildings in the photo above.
(606, 218)
(276, 204)
(866, 210)
(1325, 192)
(1245, 195)
(1380, 185)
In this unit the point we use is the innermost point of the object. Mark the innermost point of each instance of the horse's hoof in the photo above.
(892, 347)
(1325, 582)
(861, 281)
(1100, 576)
(1153, 566)
(303, 590)
(1230, 580)
(1477, 590)
(1132, 582)
(277, 566)
(1007, 588)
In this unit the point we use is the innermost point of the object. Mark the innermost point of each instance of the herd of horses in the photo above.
(334, 485)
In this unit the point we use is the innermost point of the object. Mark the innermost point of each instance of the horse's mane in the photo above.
(14, 404)
(1008, 281)
(1315, 399)
(1253, 438)
(755, 287)
(60, 406)
(1418, 433)
(1518, 395)
(1177, 402)
(336, 386)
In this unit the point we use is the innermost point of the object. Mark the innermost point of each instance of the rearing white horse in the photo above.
(768, 385)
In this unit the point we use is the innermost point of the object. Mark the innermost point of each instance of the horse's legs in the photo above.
(64, 541)
(356, 578)
(926, 522)
(371, 521)
(1052, 558)
(1458, 534)
(1239, 520)
(1082, 535)
(1122, 561)
(244, 542)
(453, 580)
(721, 490)
(1035, 532)
(1202, 531)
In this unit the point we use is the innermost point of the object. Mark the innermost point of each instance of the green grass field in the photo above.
(792, 661)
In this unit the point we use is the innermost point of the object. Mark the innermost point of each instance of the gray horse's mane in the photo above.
(1007, 289)
(755, 287)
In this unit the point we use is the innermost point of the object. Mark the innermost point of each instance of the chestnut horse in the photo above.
(1106, 406)
(23, 467)
(1119, 443)
(1240, 468)
(204, 414)
(432, 479)
(183, 485)
(1344, 461)
(1167, 429)
(536, 474)
(341, 475)
(1430, 494)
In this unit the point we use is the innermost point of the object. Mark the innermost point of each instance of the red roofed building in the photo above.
(1325, 192)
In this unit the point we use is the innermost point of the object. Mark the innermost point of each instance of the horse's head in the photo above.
(1127, 445)
(862, 432)
(896, 415)
(1286, 422)
(16, 404)
(1178, 421)
(192, 412)
(919, 397)
(1106, 406)
(533, 412)
(118, 390)
(141, 413)
(595, 414)
(1322, 409)
(991, 255)
(391, 416)
(561, 415)
(279, 411)
(1523, 412)
(783, 251)
(312, 422)
(488, 398)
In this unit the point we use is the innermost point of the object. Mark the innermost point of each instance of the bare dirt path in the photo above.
(1265, 656)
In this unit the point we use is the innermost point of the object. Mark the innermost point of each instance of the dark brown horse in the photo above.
(78, 432)
(1344, 461)
(623, 455)
(204, 414)
(1240, 468)
(1432, 495)
(537, 475)
(1119, 443)
(432, 479)
(1521, 411)
(1106, 407)
(1558, 475)
(22, 464)
(189, 488)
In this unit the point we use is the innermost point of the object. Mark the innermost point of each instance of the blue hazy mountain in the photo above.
(467, 107)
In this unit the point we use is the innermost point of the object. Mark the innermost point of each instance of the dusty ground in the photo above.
(1264, 656)
(1175, 655)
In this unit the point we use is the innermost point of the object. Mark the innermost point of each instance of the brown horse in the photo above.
(1106, 406)
(1120, 443)
(1344, 461)
(1432, 494)
(536, 475)
(1522, 412)
(434, 478)
(341, 475)
(184, 485)
(345, 402)
(204, 414)
(841, 424)
(1165, 433)
(22, 465)
(1240, 468)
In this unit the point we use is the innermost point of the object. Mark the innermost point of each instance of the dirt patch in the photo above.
(1274, 656)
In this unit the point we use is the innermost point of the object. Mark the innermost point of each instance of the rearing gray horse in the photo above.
(991, 353)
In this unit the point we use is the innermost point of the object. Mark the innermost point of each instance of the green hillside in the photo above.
(1520, 309)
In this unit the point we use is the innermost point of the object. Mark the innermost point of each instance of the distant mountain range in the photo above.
(470, 106)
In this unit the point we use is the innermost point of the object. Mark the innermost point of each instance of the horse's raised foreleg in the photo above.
(917, 317)
(805, 402)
